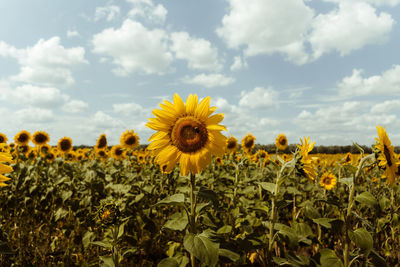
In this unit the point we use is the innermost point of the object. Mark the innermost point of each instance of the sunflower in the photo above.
(4, 157)
(129, 139)
(304, 165)
(22, 138)
(248, 143)
(231, 144)
(64, 145)
(219, 161)
(24, 149)
(102, 153)
(187, 133)
(163, 169)
(3, 138)
(117, 152)
(328, 180)
(385, 152)
(40, 138)
(281, 142)
(347, 158)
(101, 142)
(44, 149)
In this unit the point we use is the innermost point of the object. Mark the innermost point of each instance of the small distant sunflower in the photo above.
(328, 180)
(44, 149)
(101, 142)
(24, 149)
(248, 143)
(4, 157)
(64, 145)
(3, 138)
(40, 138)
(219, 161)
(347, 158)
(129, 139)
(50, 156)
(231, 144)
(102, 153)
(304, 165)
(117, 152)
(385, 153)
(22, 138)
(187, 133)
(281, 142)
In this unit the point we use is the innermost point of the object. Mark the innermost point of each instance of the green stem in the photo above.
(193, 228)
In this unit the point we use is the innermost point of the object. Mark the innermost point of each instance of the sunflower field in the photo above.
(194, 197)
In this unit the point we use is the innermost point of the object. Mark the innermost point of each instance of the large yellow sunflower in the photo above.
(3, 138)
(101, 142)
(386, 155)
(231, 144)
(129, 139)
(305, 165)
(22, 138)
(117, 152)
(328, 180)
(4, 157)
(64, 145)
(187, 133)
(281, 142)
(248, 143)
(40, 138)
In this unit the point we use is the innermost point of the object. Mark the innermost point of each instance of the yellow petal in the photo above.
(191, 104)
(202, 110)
(179, 105)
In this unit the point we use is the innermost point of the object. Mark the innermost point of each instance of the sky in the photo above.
(327, 69)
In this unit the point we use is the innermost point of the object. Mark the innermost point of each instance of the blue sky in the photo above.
(326, 69)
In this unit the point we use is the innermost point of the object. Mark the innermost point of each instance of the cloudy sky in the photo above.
(328, 69)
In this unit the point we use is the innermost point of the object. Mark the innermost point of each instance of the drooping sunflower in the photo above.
(248, 143)
(101, 142)
(22, 138)
(281, 142)
(347, 158)
(328, 180)
(117, 152)
(231, 144)
(187, 133)
(3, 138)
(385, 152)
(304, 165)
(129, 139)
(64, 145)
(4, 157)
(40, 138)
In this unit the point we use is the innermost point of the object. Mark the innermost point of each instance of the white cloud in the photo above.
(259, 97)
(199, 53)
(46, 63)
(238, 64)
(385, 84)
(373, 2)
(128, 109)
(34, 115)
(349, 27)
(209, 80)
(75, 106)
(71, 34)
(147, 10)
(109, 13)
(42, 97)
(133, 47)
(267, 27)
(104, 121)
(389, 106)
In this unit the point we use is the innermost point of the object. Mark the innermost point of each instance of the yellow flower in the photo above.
(40, 138)
(305, 165)
(102, 154)
(186, 133)
(386, 155)
(64, 145)
(347, 158)
(3, 138)
(328, 180)
(281, 142)
(117, 152)
(101, 142)
(231, 144)
(219, 161)
(129, 139)
(22, 138)
(248, 143)
(4, 157)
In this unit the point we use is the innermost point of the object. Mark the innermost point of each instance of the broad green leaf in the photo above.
(347, 181)
(228, 254)
(107, 261)
(362, 238)
(87, 238)
(325, 222)
(177, 222)
(177, 199)
(226, 229)
(329, 258)
(104, 244)
(311, 212)
(202, 248)
(270, 187)
(168, 262)
(366, 198)
(60, 214)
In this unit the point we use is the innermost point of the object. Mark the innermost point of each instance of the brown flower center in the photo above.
(102, 143)
(22, 138)
(282, 141)
(231, 144)
(119, 151)
(131, 140)
(249, 143)
(387, 155)
(189, 134)
(40, 138)
(2, 139)
(65, 145)
(326, 180)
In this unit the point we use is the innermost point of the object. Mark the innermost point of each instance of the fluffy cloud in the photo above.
(109, 12)
(259, 97)
(31, 95)
(128, 109)
(249, 24)
(133, 47)
(46, 63)
(209, 80)
(147, 10)
(385, 84)
(34, 115)
(104, 121)
(389, 106)
(373, 2)
(75, 106)
(350, 27)
(238, 64)
(71, 34)
(198, 52)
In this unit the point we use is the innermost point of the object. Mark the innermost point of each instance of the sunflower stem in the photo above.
(193, 228)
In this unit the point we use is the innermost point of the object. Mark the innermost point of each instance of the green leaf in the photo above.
(60, 214)
(325, 222)
(362, 238)
(329, 258)
(228, 254)
(366, 198)
(311, 212)
(87, 238)
(168, 262)
(104, 244)
(347, 181)
(177, 222)
(177, 199)
(107, 261)
(202, 248)
(226, 229)
(268, 186)
(65, 195)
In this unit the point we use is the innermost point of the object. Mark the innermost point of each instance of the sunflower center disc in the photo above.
(387, 155)
(40, 138)
(249, 143)
(231, 144)
(23, 138)
(130, 140)
(282, 141)
(189, 134)
(65, 145)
